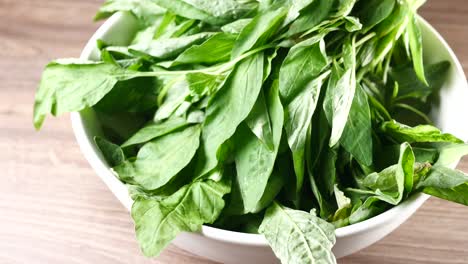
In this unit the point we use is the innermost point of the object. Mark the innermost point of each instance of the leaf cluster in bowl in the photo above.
(280, 117)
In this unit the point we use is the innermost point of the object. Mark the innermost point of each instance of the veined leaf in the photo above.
(357, 134)
(157, 222)
(445, 183)
(297, 236)
(161, 159)
(229, 107)
(155, 130)
(254, 161)
(73, 85)
(421, 133)
(258, 32)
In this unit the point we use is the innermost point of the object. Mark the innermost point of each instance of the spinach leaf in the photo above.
(445, 183)
(215, 49)
(154, 130)
(254, 161)
(409, 86)
(73, 85)
(372, 12)
(237, 26)
(357, 134)
(135, 95)
(157, 222)
(228, 108)
(259, 122)
(297, 236)
(421, 133)
(185, 9)
(161, 159)
(113, 154)
(390, 184)
(371, 207)
(145, 10)
(170, 47)
(415, 44)
(310, 17)
(258, 32)
(450, 154)
(340, 94)
(297, 122)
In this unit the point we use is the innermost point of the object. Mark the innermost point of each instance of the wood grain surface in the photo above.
(54, 209)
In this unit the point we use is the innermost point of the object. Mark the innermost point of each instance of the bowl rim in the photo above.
(118, 188)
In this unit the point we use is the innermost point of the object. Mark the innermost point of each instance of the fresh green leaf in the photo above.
(72, 85)
(297, 122)
(161, 159)
(297, 236)
(215, 49)
(228, 108)
(357, 134)
(145, 10)
(154, 130)
(258, 32)
(254, 161)
(445, 183)
(421, 133)
(260, 124)
(113, 154)
(372, 12)
(415, 43)
(157, 222)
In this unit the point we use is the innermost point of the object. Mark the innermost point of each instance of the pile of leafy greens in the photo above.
(287, 118)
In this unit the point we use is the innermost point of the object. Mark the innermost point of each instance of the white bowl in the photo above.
(233, 247)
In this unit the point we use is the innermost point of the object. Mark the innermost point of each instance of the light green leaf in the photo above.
(340, 95)
(73, 85)
(145, 10)
(390, 184)
(228, 108)
(170, 47)
(258, 32)
(446, 183)
(298, 237)
(297, 122)
(357, 134)
(451, 154)
(254, 161)
(415, 43)
(215, 49)
(421, 133)
(259, 122)
(158, 222)
(161, 159)
(154, 130)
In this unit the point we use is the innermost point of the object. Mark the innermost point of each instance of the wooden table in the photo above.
(54, 209)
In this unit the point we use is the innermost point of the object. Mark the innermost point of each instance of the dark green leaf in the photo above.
(113, 154)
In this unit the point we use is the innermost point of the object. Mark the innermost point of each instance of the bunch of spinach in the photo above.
(280, 117)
